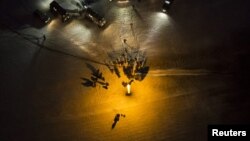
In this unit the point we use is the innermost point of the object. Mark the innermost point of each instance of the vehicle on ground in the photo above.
(44, 17)
(166, 5)
(94, 17)
(57, 9)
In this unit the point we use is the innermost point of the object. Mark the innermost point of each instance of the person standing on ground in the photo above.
(44, 37)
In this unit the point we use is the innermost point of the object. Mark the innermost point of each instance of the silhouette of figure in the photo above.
(130, 82)
(111, 70)
(117, 71)
(105, 87)
(94, 79)
(124, 84)
(107, 84)
(124, 40)
(116, 119)
(88, 83)
(44, 37)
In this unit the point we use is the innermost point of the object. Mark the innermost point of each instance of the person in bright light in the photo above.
(128, 89)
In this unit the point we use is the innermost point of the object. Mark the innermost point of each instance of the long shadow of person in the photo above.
(91, 68)
(137, 13)
(88, 83)
(116, 119)
(95, 72)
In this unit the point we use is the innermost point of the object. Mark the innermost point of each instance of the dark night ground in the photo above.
(199, 72)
